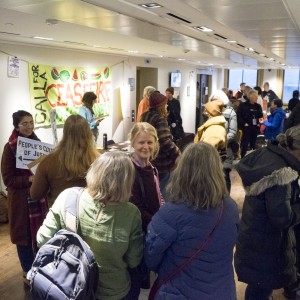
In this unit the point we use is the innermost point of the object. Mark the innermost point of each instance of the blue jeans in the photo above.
(26, 257)
(257, 292)
(163, 181)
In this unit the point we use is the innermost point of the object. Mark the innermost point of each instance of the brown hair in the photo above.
(76, 151)
(198, 179)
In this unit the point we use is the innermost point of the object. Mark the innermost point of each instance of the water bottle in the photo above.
(104, 141)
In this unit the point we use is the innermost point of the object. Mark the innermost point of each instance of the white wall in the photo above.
(15, 91)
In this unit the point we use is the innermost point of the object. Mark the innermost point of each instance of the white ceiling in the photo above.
(270, 27)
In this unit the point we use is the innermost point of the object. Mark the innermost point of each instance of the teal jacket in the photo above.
(114, 234)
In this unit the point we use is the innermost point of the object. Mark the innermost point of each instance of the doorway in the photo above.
(145, 77)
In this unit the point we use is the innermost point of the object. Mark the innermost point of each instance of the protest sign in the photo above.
(29, 150)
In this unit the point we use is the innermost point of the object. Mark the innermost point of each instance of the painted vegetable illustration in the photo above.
(106, 72)
(55, 74)
(75, 76)
(64, 75)
(95, 76)
(83, 75)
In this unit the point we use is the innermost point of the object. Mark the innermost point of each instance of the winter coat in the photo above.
(274, 125)
(143, 107)
(174, 119)
(145, 192)
(112, 231)
(294, 118)
(292, 103)
(231, 129)
(168, 151)
(213, 132)
(51, 179)
(248, 113)
(175, 233)
(265, 251)
(17, 184)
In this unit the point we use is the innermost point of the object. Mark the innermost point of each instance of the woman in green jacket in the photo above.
(109, 224)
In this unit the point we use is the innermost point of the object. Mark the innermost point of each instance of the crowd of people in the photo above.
(166, 211)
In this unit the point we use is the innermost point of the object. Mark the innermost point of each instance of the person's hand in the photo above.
(261, 120)
(246, 125)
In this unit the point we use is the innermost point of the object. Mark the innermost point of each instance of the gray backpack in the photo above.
(65, 267)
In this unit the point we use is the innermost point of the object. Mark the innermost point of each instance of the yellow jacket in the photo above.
(213, 132)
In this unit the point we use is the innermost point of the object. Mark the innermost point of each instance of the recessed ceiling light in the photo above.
(133, 51)
(271, 58)
(181, 58)
(42, 38)
(262, 54)
(203, 28)
(232, 42)
(251, 49)
(151, 5)
(283, 64)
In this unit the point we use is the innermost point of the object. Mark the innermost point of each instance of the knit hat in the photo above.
(157, 99)
(214, 108)
(219, 95)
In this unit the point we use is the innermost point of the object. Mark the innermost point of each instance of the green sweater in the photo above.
(114, 234)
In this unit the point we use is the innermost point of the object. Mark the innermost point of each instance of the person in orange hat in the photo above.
(213, 131)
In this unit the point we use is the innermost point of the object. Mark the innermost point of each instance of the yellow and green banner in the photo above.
(62, 88)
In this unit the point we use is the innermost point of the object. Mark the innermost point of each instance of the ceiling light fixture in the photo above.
(251, 49)
(203, 28)
(133, 51)
(151, 5)
(42, 38)
(232, 42)
(262, 54)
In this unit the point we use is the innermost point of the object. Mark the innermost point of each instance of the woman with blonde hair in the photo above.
(109, 224)
(67, 165)
(145, 191)
(144, 103)
(190, 240)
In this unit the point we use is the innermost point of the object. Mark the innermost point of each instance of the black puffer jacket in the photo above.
(265, 251)
(294, 118)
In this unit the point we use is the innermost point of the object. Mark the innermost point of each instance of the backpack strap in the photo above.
(71, 209)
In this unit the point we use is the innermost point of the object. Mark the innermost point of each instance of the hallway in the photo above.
(11, 285)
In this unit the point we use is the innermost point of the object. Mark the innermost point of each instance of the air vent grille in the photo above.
(179, 18)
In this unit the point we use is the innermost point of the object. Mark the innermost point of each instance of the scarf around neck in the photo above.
(13, 139)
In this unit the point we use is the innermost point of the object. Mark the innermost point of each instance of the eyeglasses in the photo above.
(26, 124)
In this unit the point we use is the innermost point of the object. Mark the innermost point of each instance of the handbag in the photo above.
(158, 284)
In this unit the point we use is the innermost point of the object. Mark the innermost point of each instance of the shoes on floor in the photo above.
(25, 280)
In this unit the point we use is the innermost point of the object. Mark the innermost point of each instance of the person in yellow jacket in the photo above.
(213, 130)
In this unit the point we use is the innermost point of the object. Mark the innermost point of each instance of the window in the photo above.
(290, 83)
(238, 76)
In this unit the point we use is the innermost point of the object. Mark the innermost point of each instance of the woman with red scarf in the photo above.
(18, 182)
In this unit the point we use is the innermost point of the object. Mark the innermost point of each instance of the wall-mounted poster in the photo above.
(13, 67)
(62, 88)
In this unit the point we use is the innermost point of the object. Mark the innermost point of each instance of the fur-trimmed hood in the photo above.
(267, 167)
(282, 176)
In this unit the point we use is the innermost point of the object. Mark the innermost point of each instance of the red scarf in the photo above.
(12, 141)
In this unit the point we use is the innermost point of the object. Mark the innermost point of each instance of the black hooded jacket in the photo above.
(265, 251)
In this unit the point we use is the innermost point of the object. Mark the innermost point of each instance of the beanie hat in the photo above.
(214, 108)
(219, 95)
(157, 99)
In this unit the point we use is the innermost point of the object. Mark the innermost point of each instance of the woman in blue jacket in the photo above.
(199, 203)
(86, 111)
(275, 122)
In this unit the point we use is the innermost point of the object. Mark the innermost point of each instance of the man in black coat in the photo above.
(174, 118)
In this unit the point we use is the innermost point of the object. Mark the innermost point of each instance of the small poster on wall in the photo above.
(13, 67)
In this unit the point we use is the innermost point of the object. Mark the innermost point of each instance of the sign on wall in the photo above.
(29, 150)
(62, 88)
